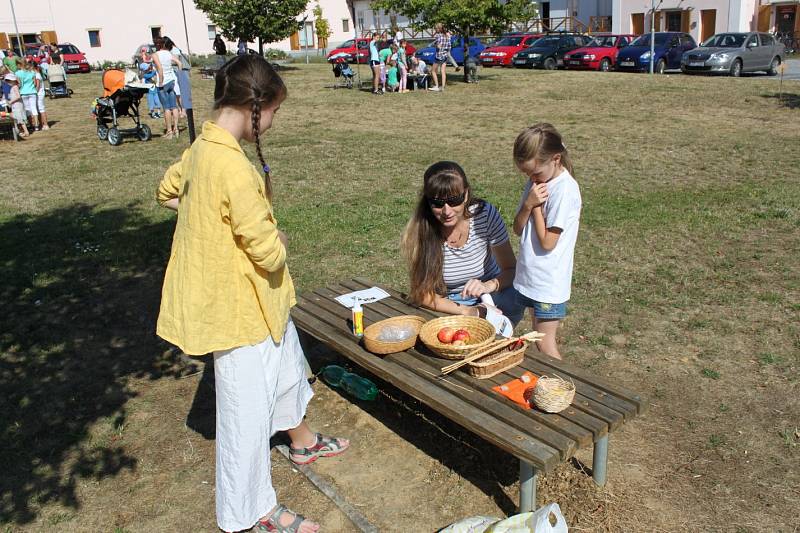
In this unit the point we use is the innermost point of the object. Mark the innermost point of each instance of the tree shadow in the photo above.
(787, 100)
(80, 295)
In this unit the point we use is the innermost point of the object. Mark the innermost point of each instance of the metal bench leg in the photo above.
(600, 461)
(527, 487)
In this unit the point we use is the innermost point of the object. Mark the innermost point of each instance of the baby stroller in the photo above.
(57, 82)
(342, 72)
(121, 96)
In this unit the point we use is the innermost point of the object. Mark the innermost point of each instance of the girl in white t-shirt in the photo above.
(547, 221)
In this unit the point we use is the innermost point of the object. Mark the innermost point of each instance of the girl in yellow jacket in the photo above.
(227, 290)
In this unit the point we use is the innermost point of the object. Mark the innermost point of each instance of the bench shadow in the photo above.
(477, 461)
(80, 295)
(787, 100)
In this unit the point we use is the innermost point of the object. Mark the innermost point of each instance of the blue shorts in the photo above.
(505, 300)
(167, 97)
(543, 311)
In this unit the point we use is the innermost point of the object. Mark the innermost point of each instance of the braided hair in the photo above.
(250, 80)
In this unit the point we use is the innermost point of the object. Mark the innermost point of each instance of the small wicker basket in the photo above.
(372, 333)
(494, 363)
(481, 333)
(553, 395)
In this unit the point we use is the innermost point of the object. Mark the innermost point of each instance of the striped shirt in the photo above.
(475, 260)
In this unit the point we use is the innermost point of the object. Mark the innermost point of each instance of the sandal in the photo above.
(324, 447)
(272, 523)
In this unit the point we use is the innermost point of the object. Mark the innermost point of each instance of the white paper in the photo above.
(502, 325)
(373, 294)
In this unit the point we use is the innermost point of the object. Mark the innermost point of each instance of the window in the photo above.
(673, 21)
(766, 39)
(346, 25)
(155, 32)
(212, 31)
(94, 38)
(752, 41)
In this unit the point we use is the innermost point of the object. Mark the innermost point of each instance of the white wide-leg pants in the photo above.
(260, 390)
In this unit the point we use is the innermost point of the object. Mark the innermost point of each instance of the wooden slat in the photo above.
(564, 436)
(326, 327)
(594, 416)
(627, 395)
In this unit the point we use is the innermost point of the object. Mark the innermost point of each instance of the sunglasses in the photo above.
(452, 201)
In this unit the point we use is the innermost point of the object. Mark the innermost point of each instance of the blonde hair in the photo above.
(540, 142)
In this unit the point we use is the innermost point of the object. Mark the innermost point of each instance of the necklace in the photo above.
(455, 237)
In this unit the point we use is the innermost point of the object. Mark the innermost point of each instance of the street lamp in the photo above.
(16, 29)
(653, 31)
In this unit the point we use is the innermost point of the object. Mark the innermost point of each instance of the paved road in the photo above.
(792, 71)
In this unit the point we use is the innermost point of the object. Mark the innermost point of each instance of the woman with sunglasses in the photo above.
(457, 248)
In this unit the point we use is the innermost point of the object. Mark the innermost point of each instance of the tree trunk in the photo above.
(260, 46)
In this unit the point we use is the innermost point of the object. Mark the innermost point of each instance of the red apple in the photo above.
(461, 335)
(445, 335)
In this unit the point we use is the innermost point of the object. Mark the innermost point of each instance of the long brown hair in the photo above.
(250, 80)
(423, 237)
(541, 142)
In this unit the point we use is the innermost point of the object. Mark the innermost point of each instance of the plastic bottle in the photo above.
(358, 319)
(361, 388)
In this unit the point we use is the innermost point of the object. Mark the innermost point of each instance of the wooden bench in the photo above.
(539, 440)
(9, 126)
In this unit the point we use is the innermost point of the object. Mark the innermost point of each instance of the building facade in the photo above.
(102, 33)
(704, 18)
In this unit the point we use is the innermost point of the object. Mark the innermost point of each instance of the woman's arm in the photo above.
(548, 237)
(445, 305)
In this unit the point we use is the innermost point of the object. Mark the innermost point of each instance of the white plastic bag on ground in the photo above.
(546, 519)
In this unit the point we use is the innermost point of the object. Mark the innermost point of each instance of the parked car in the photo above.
(669, 48)
(500, 53)
(74, 60)
(599, 54)
(428, 53)
(734, 53)
(32, 52)
(548, 52)
(137, 55)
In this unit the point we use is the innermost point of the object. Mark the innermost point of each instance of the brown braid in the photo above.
(255, 117)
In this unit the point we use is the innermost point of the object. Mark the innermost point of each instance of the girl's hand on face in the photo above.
(473, 289)
(537, 195)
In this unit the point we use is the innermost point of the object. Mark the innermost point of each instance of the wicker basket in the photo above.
(553, 395)
(380, 347)
(481, 333)
(494, 363)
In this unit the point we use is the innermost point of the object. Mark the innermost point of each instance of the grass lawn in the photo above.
(686, 289)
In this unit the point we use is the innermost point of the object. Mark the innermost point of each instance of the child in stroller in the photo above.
(342, 71)
(57, 79)
(121, 97)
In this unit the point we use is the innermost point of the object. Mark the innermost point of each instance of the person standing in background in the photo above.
(221, 50)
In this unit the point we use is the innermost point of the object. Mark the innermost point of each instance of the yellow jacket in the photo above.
(226, 283)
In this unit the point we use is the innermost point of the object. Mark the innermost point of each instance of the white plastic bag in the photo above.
(546, 519)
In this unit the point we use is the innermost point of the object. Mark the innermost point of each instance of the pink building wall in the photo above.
(731, 15)
(124, 26)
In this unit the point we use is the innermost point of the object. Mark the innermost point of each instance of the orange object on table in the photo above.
(516, 388)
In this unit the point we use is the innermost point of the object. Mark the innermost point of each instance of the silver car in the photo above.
(735, 52)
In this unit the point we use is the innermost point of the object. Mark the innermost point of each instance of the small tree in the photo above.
(265, 20)
(462, 17)
(323, 27)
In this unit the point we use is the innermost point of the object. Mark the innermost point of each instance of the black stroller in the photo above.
(120, 100)
(342, 72)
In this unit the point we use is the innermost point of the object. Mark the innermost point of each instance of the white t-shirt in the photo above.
(547, 276)
(165, 57)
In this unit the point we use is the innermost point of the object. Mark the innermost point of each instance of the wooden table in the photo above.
(8, 124)
(539, 440)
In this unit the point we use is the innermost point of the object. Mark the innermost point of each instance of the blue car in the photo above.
(428, 54)
(669, 48)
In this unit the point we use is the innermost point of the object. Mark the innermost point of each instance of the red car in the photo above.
(501, 52)
(361, 46)
(600, 54)
(72, 58)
